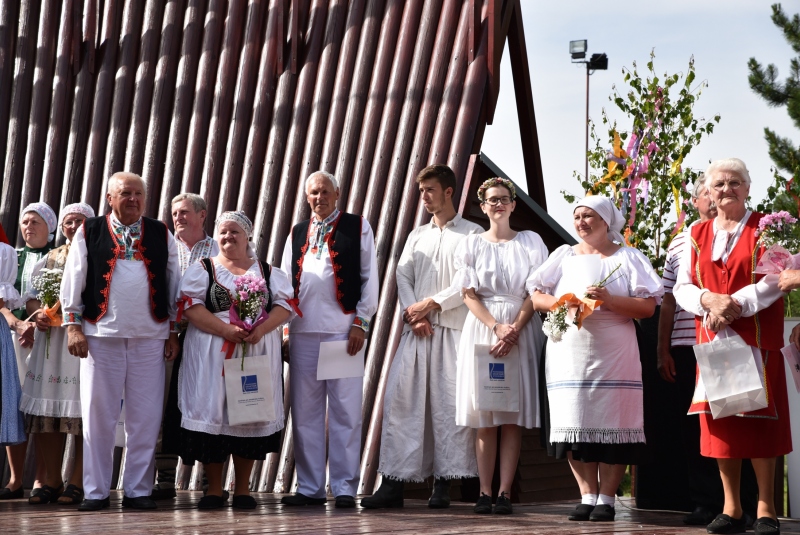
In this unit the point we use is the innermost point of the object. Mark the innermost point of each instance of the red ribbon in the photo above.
(182, 306)
(295, 304)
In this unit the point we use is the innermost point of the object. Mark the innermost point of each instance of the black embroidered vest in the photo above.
(102, 249)
(344, 247)
(218, 297)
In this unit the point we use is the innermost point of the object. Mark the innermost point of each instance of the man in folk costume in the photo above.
(118, 297)
(193, 244)
(420, 437)
(331, 260)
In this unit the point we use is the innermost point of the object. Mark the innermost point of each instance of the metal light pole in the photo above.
(598, 62)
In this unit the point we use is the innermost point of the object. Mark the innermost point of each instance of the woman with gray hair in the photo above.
(716, 281)
(206, 295)
(594, 377)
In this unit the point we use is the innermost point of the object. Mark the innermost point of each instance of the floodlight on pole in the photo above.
(597, 62)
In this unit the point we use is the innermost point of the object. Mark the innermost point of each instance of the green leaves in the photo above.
(666, 130)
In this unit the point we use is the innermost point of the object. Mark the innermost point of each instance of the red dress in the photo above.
(759, 434)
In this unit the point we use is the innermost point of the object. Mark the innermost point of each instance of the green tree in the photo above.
(641, 168)
(764, 82)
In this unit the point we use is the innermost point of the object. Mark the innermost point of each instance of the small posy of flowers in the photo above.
(557, 322)
(570, 310)
(249, 304)
(48, 288)
(777, 233)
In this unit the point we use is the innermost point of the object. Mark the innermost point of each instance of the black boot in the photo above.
(390, 494)
(440, 499)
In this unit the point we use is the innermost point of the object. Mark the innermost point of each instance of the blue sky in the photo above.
(721, 35)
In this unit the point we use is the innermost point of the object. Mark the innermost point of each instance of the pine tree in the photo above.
(764, 82)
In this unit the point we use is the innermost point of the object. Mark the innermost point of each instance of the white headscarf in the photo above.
(241, 219)
(608, 212)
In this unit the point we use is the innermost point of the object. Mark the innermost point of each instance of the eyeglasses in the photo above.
(733, 184)
(494, 201)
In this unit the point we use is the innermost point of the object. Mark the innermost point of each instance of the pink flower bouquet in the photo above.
(249, 305)
(776, 233)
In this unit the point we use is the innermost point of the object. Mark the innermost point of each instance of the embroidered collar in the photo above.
(126, 237)
(319, 231)
(188, 256)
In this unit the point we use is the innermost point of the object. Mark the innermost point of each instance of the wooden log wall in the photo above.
(240, 100)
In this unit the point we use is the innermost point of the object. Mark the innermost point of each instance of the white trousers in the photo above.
(308, 398)
(114, 365)
(420, 437)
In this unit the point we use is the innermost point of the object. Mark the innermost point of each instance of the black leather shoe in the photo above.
(141, 502)
(726, 524)
(345, 502)
(94, 505)
(8, 494)
(158, 493)
(602, 513)
(210, 501)
(701, 516)
(503, 505)
(483, 506)
(767, 526)
(302, 499)
(440, 499)
(581, 512)
(244, 501)
(388, 495)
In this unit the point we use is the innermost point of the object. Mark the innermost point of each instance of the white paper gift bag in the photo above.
(792, 356)
(249, 392)
(496, 380)
(731, 375)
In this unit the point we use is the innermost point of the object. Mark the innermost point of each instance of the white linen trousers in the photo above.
(114, 365)
(308, 399)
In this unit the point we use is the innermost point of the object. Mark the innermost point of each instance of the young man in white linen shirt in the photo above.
(118, 297)
(332, 264)
(193, 244)
(420, 437)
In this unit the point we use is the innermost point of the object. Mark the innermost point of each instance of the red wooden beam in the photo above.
(294, 34)
(527, 118)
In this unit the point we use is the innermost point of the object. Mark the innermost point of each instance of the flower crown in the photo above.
(496, 181)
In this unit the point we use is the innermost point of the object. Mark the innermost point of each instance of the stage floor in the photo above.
(181, 516)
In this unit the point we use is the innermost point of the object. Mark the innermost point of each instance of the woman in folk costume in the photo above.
(12, 422)
(38, 224)
(51, 392)
(594, 378)
(717, 281)
(493, 269)
(205, 298)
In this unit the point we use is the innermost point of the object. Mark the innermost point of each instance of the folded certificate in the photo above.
(336, 363)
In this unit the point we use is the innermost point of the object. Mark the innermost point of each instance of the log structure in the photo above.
(240, 100)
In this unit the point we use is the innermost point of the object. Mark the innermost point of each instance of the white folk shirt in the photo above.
(321, 311)
(426, 269)
(129, 313)
(205, 248)
(752, 298)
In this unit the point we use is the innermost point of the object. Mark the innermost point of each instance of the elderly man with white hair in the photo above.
(118, 298)
(332, 263)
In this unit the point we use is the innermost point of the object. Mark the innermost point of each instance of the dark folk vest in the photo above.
(344, 247)
(218, 297)
(104, 250)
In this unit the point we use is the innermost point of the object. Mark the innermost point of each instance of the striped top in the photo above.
(683, 331)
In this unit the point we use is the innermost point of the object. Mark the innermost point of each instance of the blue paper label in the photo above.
(497, 371)
(249, 384)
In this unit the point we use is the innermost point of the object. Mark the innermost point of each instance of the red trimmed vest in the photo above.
(344, 248)
(103, 249)
(765, 328)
